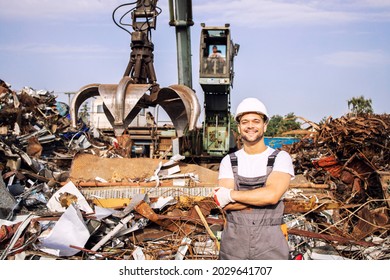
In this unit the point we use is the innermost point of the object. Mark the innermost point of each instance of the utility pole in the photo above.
(69, 94)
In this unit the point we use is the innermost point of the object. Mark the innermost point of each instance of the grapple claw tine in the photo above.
(182, 106)
(123, 101)
(83, 94)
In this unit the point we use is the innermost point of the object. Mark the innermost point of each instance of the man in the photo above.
(215, 62)
(216, 53)
(252, 182)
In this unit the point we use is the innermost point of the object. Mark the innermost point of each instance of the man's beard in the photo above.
(252, 141)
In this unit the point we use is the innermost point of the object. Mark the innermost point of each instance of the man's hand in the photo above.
(222, 196)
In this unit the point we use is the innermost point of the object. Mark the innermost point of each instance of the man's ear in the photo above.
(239, 129)
(265, 126)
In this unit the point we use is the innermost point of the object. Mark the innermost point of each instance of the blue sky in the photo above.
(305, 57)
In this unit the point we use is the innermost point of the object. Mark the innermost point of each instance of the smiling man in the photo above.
(252, 182)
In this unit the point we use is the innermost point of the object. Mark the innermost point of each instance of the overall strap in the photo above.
(271, 161)
(234, 162)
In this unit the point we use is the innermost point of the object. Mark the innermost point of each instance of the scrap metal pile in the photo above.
(61, 199)
(350, 155)
(72, 194)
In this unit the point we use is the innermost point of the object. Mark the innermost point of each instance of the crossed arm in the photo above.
(275, 186)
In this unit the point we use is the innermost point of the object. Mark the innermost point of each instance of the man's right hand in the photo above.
(222, 196)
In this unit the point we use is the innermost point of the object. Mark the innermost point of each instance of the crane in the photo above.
(216, 73)
(138, 88)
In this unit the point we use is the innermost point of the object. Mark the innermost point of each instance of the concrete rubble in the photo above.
(69, 193)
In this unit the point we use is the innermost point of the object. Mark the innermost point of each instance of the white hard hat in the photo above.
(249, 105)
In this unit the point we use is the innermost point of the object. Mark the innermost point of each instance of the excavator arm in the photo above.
(138, 88)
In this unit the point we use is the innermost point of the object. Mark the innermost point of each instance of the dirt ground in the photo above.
(86, 167)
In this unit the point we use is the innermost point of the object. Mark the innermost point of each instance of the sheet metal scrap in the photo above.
(106, 242)
(37, 146)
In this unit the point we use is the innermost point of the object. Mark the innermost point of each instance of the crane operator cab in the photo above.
(217, 52)
(216, 58)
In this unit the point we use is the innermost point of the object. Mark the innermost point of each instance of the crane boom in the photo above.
(181, 18)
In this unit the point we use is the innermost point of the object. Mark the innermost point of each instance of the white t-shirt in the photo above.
(255, 165)
(215, 55)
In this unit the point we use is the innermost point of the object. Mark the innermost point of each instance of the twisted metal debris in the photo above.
(350, 155)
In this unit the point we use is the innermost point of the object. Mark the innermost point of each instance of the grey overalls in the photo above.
(254, 233)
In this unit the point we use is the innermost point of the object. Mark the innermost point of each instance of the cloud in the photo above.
(262, 13)
(250, 13)
(356, 58)
(52, 48)
(43, 9)
(63, 51)
(374, 3)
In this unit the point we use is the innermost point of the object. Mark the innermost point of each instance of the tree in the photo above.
(274, 125)
(360, 105)
(277, 124)
(84, 113)
(233, 123)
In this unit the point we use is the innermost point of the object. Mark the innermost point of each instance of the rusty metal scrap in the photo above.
(180, 228)
(329, 237)
(348, 135)
(351, 155)
(370, 221)
(347, 152)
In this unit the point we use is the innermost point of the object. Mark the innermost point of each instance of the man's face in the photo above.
(252, 128)
(215, 50)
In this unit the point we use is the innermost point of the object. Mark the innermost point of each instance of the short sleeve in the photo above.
(225, 169)
(283, 163)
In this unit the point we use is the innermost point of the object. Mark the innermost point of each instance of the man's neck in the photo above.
(256, 148)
